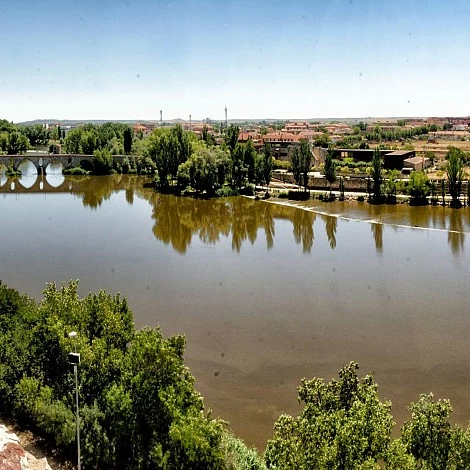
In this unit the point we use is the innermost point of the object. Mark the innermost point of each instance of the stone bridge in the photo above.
(42, 161)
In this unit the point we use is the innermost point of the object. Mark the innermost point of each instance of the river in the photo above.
(266, 294)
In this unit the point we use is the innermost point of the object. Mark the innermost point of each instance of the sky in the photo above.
(129, 59)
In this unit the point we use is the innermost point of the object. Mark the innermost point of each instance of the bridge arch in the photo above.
(24, 160)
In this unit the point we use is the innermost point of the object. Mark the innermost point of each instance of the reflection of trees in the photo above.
(95, 190)
(178, 219)
(455, 236)
(377, 230)
(331, 225)
(302, 222)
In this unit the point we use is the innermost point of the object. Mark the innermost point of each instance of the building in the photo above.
(417, 163)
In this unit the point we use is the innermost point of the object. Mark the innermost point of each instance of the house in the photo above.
(417, 163)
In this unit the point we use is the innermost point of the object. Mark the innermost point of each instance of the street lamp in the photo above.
(74, 359)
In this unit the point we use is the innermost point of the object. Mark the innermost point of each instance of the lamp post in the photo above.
(74, 359)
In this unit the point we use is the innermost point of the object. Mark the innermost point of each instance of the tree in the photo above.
(329, 168)
(418, 187)
(376, 174)
(36, 134)
(390, 186)
(239, 170)
(455, 174)
(306, 161)
(431, 156)
(250, 159)
(342, 425)
(128, 137)
(72, 141)
(17, 143)
(102, 162)
(428, 435)
(267, 165)
(205, 171)
(296, 165)
(231, 137)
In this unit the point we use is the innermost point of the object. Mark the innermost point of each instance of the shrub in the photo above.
(227, 191)
(75, 171)
(247, 190)
(283, 195)
(360, 198)
(298, 195)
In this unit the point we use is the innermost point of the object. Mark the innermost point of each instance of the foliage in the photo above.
(127, 140)
(36, 134)
(418, 186)
(329, 169)
(296, 165)
(376, 174)
(205, 171)
(455, 173)
(391, 186)
(17, 143)
(75, 171)
(265, 165)
(168, 148)
(102, 162)
(428, 435)
(138, 406)
(343, 425)
(239, 456)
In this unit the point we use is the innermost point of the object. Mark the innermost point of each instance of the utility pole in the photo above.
(74, 359)
(161, 117)
(190, 124)
(226, 125)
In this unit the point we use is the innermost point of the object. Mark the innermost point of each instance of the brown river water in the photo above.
(265, 293)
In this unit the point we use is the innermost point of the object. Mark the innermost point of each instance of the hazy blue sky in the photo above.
(90, 59)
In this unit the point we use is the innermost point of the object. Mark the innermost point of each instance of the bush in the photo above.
(227, 191)
(281, 165)
(360, 198)
(283, 195)
(247, 190)
(298, 195)
(75, 171)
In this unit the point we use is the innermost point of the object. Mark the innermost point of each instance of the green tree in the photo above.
(37, 134)
(231, 137)
(306, 161)
(250, 160)
(376, 174)
(72, 142)
(17, 143)
(391, 186)
(428, 435)
(343, 425)
(128, 137)
(267, 165)
(102, 162)
(4, 138)
(419, 187)
(89, 141)
(329, 169)
(239, 170)
(455, 174)
(431, 156)
(295, 159)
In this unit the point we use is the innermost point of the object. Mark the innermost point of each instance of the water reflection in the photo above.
(377, 230)
(456, 237)
(178, 220)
